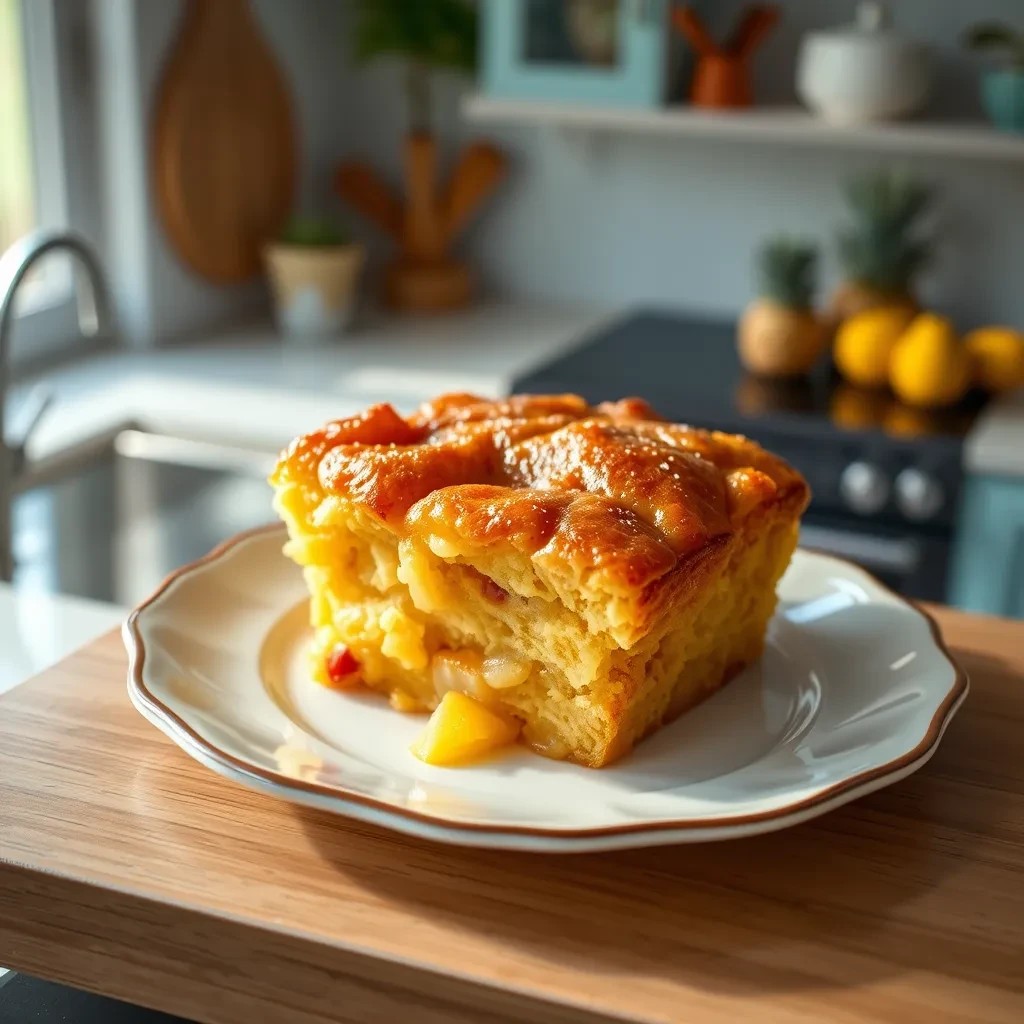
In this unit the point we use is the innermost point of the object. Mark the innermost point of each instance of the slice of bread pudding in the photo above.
(590, 572)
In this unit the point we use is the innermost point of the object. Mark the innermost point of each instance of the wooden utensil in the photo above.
(223, 142)
(477, 174)
(426, 221)
(722, 75)
(360, 184)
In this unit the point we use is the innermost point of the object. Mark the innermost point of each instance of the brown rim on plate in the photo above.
(138, 690)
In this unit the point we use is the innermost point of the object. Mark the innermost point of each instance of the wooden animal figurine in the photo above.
(721, 78)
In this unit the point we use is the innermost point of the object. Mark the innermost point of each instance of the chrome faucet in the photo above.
(94, 319)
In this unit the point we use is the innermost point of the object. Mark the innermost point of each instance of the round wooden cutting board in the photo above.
(223, 142)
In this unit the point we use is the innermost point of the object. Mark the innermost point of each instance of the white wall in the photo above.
(673, 222)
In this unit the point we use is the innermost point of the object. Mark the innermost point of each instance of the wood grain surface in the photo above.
(127, 868)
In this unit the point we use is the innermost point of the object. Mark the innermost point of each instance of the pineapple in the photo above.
(779, 334)
(884, 249)
(462, 729)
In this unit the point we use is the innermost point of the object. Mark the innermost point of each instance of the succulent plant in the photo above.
(787, 272)
(886, 246)
(313, 232)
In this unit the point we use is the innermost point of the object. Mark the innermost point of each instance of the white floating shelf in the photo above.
(785, 125)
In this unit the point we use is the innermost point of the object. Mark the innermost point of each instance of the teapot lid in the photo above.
(871, 21)
(871, 16)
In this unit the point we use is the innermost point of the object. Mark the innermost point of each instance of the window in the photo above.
(43, 116)
(17, 207)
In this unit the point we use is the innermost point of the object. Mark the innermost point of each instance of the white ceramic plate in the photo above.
(853, 693)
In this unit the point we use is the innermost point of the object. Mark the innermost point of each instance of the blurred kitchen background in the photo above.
(803, 221)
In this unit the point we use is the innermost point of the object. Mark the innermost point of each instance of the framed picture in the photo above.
(585, 51)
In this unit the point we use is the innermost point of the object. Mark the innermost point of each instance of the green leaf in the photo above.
(435, 33)
(990, 35)
(311, 231)
(787, 271)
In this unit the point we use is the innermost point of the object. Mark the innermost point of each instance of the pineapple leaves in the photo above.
(888, 200)
(787, 271)
(886, 246)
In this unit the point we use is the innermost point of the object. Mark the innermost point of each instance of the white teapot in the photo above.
(864, 72)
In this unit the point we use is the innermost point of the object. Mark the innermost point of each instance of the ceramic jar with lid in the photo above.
(864, 72)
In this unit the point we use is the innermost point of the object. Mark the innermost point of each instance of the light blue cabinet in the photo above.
(988, 562)
(609, 52)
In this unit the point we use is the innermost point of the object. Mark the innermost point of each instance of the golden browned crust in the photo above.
(623, 566)
(612, 489)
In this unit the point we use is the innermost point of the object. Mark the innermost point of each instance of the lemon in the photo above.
(929, 367)
(997, 355)
(864, 344)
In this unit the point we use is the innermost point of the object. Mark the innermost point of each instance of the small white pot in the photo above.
(863, 73)
(314, 287)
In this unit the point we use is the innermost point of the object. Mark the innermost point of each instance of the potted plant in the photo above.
(427, 35)
(886, 246)
(314, 270)
(1002, 89)
(779, 334)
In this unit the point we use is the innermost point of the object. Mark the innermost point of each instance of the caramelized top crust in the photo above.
(612, 487)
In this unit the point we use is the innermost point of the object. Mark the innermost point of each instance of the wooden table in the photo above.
(127, 868)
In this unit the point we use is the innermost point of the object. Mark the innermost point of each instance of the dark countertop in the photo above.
(689, 370)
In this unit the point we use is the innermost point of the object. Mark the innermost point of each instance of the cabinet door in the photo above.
(988, 568)
(593, 51)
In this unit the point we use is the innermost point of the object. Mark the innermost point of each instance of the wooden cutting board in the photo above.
(129, 869)
(223, 142)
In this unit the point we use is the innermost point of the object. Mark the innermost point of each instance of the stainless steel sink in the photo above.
(112, 519)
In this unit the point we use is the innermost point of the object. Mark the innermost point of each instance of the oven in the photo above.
(911, 562)
(886, 503)
(884, 493)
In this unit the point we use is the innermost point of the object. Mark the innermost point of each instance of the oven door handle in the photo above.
(888, 554)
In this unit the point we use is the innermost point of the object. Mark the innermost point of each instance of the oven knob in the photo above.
(918, 495)
(864, 488)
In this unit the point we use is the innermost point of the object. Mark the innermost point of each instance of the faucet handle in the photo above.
(31, 411)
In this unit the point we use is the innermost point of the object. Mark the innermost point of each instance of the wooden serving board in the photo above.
(129, 869)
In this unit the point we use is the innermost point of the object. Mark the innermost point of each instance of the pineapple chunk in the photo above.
(462, 729)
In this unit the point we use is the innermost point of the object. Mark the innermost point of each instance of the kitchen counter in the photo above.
(890, 902)
(995, 446)
(124, 863)
(38, 629)
(245, 386)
